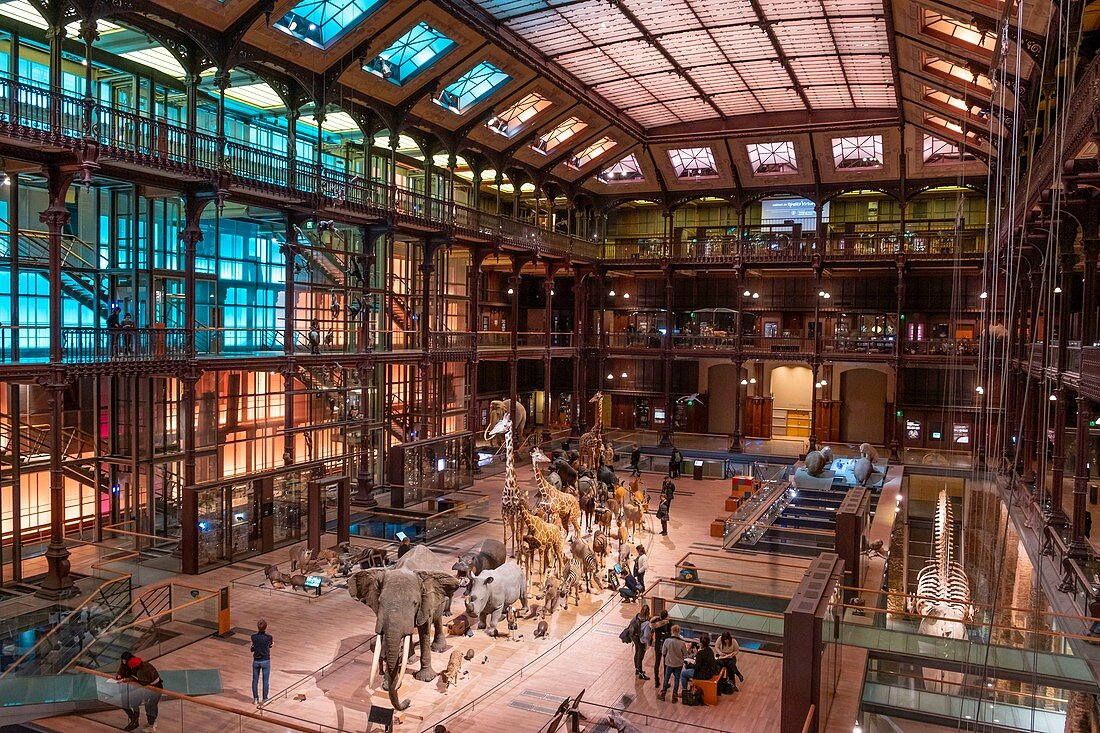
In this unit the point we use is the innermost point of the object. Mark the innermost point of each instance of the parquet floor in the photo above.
(320, 661)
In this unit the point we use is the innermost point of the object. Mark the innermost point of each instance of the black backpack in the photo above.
(626, 635)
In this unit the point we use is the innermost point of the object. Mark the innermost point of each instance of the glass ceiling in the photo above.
(410, 54)
(772, 158)
(651, 58)
(323, 22)
(472, 87)
(693, 162)
(626, 169)
(512, 120)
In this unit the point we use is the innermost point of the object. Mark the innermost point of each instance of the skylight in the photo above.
(323, 22)
(472, 87)
(855, 153)
(562, 132)
(949, 70)
(590, 153)
(769, 159)
(626, 169)
(955, 104)
(693, 162)
(337, 122)
(943, 151)
(946, 28)
(158, 58)
(410, 54)
(258, 95)
(512, 120)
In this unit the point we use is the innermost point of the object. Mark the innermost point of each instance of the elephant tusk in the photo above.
(376, 660)
(404, 661)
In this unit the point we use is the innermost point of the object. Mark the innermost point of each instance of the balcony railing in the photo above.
(777, 344)
(859, 345)
(941, 347)
(92, 345)
(926, 241)
(494, 339)
(450, 341)
(35, 114)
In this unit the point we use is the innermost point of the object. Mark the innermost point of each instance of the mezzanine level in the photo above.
(787, 348)
(44, 125)
(934, 241)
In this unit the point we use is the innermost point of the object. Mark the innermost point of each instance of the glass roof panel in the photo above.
(513, 119)
(258, 95)
(590, 153)
(938, 151)
(826, 97)
(625, 170)
(946, 69)
(693, 162)
(323, 22)
(158, 58)
(859, 152)
(770, 159)
(555, 137)
(946, 28)
(472, 87)
(410, 54)
(653, 57)
(738, 104)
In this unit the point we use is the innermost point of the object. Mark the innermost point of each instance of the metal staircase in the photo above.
(80, 280)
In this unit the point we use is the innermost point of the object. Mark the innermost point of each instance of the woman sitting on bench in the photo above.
(728, 649)
(706, 667)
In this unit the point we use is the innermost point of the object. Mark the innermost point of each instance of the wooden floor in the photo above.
(320, 660)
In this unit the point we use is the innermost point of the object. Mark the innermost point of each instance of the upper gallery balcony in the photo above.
(785, 243)
(56, 122)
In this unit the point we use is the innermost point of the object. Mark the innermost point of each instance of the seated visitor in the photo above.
(704, 666)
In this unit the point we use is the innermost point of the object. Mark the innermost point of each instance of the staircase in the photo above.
(79, 278)
(398, 418)
(320, 259)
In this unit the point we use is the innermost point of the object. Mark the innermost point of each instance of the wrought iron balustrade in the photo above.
(88, 345)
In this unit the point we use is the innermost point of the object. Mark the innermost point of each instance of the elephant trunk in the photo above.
(396, 653)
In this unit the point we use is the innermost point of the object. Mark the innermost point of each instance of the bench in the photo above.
(718, 527)
(709, 688)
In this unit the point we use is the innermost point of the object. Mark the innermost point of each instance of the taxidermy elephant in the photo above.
(493, 591)
(405, 601)
(498, 409)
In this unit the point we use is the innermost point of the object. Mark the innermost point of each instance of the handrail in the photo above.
(80, 608)
(809, 724)
(212, 705)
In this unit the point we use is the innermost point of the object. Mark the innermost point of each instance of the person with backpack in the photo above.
(668, 490)
(660, 628)
(674, 652)
(144, 682)
(640, 620)
(662, 515)
(641, 564)
(674, 463)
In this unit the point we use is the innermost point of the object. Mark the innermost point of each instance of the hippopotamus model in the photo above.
(487, 555)
(493, 591)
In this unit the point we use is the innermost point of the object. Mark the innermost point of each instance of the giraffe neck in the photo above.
(511, 492)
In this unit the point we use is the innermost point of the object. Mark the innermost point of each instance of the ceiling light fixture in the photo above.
(1057, 289)
(984, 295)
(611, 293)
